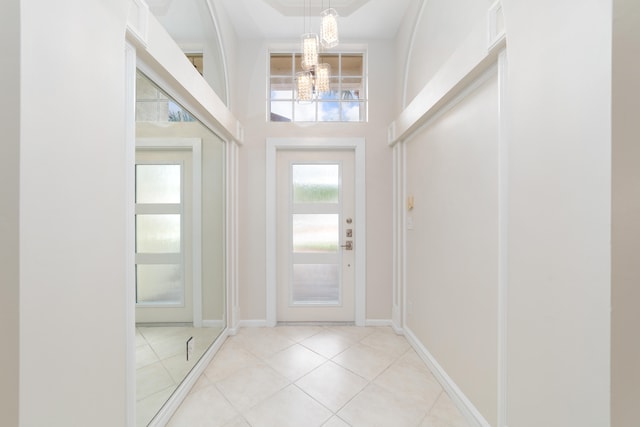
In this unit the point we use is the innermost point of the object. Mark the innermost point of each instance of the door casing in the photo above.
(357, 145)
(195, 146)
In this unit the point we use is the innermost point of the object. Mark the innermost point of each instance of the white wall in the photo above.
(250, 107)
(557, 119)
(452, 246)
(440, 29)
(403, 44)
(228, 43)
(625, 381)
(9, 211)
(559, 136)
(72, 213)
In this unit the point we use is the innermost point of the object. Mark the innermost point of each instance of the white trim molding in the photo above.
(166, 412)
(138, 23)
(130, 245)
(213, 323)
(480, 56)
(463, 67)
(495, 25)
(457, 396)
(195, 146)
(356, 144)
(503, 243)
(232, 295)
(253, 323)
(387, 323)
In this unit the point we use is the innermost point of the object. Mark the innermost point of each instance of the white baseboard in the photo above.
(213, 323)
(171, 406)
(473, 416)
(378, 322)
(397, 329)
(385, 322)
(255, 323)
(260, 323)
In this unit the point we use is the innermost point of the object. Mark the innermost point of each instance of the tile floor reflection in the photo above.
(331, 376)
(161, 363)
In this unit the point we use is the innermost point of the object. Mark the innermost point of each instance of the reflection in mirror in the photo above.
(192, 26)
(180, 245)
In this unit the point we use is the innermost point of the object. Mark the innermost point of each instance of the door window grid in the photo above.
(315, 273)
(345, 102)
(159, 246)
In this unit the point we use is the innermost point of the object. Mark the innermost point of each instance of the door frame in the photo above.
(357, 145)
(195, 146)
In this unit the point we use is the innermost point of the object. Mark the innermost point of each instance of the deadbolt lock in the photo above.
(349, 232)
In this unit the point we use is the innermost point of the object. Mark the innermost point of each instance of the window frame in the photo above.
(296, 107)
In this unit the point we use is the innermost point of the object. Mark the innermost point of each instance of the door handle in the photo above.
(348, 245)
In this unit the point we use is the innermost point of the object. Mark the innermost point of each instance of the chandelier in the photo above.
(315, 77)
(329, 27)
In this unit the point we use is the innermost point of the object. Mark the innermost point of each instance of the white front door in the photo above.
(315, 270)
(164, 292)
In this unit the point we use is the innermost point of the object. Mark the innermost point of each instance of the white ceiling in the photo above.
(360, 20)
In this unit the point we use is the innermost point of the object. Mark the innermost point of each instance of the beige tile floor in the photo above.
(161, 363)
(307, 376)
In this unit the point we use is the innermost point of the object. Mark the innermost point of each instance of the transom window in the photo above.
(346, 101)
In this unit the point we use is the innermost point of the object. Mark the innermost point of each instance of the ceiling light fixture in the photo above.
(329, 27)
(309, 44)
(315, 77)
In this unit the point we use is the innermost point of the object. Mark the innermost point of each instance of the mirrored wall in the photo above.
(180, 244)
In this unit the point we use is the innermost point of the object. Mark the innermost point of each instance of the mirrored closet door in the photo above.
(180, 244)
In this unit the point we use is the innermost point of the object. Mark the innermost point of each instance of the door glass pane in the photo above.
(316, 283)
(316, 183)
(157, 183)
(317, 233)
(158, 233)
(159, 284)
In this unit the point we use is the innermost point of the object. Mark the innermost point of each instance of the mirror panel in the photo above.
(168, 310)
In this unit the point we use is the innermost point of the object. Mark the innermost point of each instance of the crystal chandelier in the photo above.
(309, 51)
(315, 77)
(323, 75)
(329, 27)
(304, 85)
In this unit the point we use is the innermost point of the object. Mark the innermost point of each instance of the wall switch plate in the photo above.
(190, 347)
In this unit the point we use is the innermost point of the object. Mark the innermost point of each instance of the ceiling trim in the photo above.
(314, 7)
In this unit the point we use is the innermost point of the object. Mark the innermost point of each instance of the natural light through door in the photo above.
(163, 206)
(316, 269)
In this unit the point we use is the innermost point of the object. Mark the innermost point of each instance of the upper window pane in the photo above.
(153, 105)
(332, 60)
(346, 85)
(352, 65)
(281, 65)
(157, 183)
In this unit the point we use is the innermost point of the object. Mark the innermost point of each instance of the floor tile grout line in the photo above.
(431, 407)
(264, 359)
